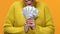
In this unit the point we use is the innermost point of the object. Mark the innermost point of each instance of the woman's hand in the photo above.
(29, 23)
(26, 27)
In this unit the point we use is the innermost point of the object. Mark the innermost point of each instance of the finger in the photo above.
(25, 28)
(31, 21)
(25, 23)
(33, 27)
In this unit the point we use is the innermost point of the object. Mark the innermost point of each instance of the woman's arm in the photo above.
(10, 20)
(49, 28)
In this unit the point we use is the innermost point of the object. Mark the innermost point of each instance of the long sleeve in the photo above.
(49, 26)
(10, 20)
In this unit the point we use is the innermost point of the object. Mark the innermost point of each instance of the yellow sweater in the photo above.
(15, 20)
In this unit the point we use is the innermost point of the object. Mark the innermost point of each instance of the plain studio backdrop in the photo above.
(53, 5)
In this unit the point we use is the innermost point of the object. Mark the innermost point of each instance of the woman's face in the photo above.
(28, 2)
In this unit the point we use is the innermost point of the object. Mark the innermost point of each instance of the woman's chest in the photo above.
(20, 19)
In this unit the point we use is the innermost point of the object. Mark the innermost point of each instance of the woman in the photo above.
(15, 20)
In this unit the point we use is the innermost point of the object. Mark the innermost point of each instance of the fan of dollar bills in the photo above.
(30, 11)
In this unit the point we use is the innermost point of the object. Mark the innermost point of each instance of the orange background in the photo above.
(53, 5)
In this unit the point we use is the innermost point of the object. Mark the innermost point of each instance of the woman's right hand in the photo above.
(26, 27)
